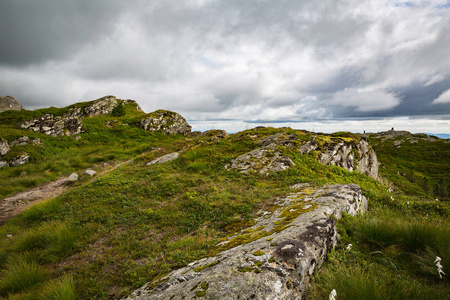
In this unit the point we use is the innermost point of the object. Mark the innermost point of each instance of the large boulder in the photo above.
(167, 121)
(9, 103)
(274, 258)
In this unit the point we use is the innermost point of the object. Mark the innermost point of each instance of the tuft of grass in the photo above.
(60, 289)
(21, 275)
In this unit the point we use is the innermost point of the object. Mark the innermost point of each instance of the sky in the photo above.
(267, 60)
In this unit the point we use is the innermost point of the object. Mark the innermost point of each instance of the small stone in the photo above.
(9, 235)
(89, 172)
(3, 164)
(73, 177)
(164, 159)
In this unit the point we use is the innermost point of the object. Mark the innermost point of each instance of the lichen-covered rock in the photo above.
(102, 106)
(262, 160)
(9, 103)
(167, 121)
(273, 259)
(20, 160)
(4, 147)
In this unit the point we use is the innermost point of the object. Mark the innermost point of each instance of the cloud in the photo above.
(366, 100)
(231, 59)
(443, 98)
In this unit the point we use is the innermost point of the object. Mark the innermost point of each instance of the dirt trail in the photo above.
(15, 204)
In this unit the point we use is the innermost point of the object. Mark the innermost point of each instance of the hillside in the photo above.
(164, 197)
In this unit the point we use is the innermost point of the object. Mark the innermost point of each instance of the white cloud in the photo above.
(443, 98)
(366, 100)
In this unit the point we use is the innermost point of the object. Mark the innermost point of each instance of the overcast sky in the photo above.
(235, 59)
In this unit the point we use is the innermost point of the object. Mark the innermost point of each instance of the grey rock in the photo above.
(397, 143)
(4, 147)
(167, 121)
(164, 159)
(308, 147)
(20, 160)
(22, 141)
(262, 160)
(89, 172)
(9, 103)
(73, 177)
(277, 260)
(3, 164)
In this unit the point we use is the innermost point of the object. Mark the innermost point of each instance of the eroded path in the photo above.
(15, 204)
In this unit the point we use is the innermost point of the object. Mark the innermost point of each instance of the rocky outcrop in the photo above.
(9, 103)
(4, 147)
(20, 160)
(274, 258)
(262, 160)
(167, 121)
(350, 155)
(71, 122)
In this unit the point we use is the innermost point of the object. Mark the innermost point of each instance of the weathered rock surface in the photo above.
(273, 259)
(9, 103)
(3, 164)
(4, 147)
(350, 156)
(71, 122)
(164, 159)
(262, 160)
(167, 121)
(20, 160)
(73, 177)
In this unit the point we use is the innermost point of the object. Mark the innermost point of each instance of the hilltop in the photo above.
(170, 212)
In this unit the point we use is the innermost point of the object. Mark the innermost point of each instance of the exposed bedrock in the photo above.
(274, 258)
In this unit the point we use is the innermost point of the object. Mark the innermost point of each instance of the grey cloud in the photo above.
(38, 31)
(227, 59)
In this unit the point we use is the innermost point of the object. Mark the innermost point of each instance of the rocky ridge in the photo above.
(71, 122)
(274, 258)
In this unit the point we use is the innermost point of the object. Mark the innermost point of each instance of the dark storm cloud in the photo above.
(36, 31)
(239, 59)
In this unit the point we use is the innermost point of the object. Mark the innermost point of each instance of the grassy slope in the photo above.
(420, 168)
(112, 235)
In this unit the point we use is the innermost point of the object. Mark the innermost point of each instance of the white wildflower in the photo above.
(392, 198)
(437, 199)
(349, 247)
(407, 202)
(333, 295)
(439, 266)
